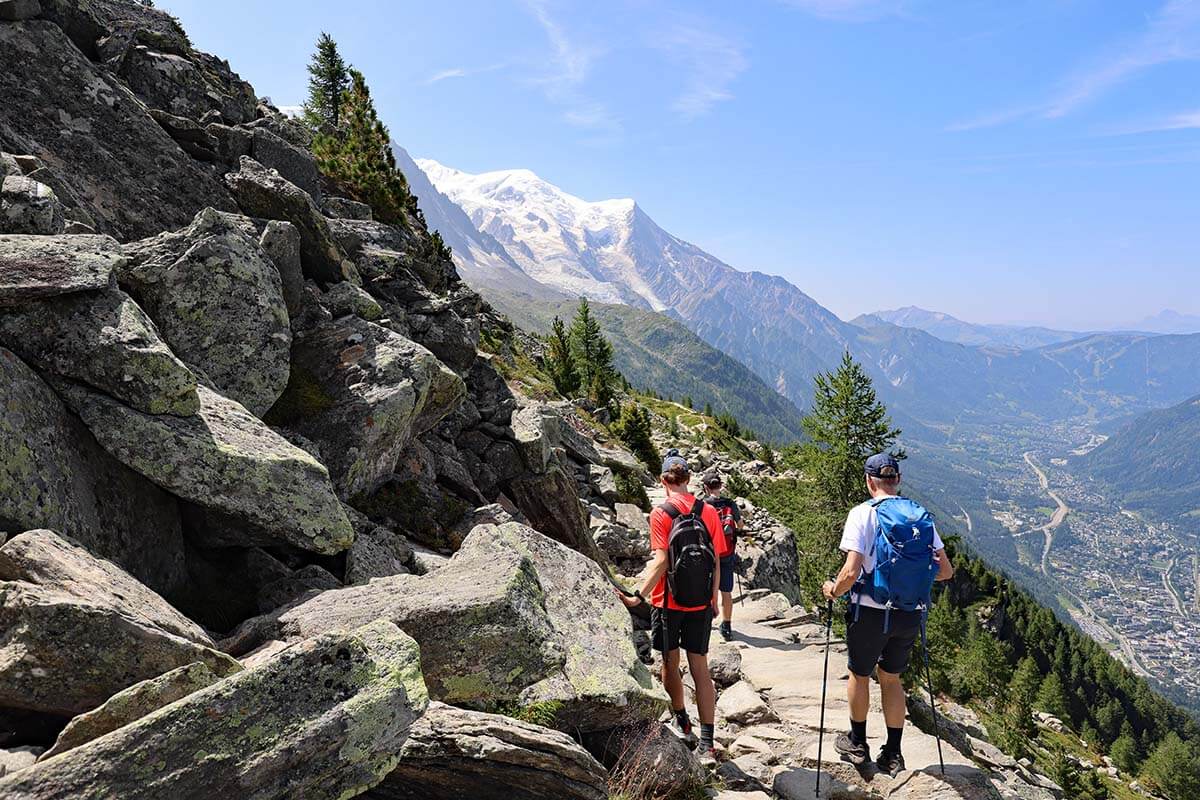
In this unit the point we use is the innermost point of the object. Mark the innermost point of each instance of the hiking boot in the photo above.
(726, 631)
(707, 758)
(856, 754)
(890, 763)
(682, 728)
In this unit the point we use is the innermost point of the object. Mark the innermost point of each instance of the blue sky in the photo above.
(1014, 160)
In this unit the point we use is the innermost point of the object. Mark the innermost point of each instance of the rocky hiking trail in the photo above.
(768, 714)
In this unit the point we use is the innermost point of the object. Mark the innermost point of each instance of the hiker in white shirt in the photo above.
(878, 640)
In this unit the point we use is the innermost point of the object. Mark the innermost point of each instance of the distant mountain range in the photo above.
(952, 329)
(1168, 321)
(1152, 464)
(527, 236)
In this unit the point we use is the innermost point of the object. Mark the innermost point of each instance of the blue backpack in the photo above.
(904, 566)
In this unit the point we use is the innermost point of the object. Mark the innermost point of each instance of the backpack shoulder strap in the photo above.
(698, 508)
(670, 509)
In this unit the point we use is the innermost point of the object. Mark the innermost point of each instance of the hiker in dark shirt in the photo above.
(731, 525)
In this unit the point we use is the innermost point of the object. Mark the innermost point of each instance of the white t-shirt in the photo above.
(859, 536)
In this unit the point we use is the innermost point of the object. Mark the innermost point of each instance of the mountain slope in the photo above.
(952, 329)
(657, 352)
(1152, 465)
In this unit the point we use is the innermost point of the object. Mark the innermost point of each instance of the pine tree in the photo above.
(633, 428)
(673, 427)
(847, 423)
(593, 355)
(1026, 681)
(359, 156)
(1173, 769)
(1065, 772)
(767, 455)
(1022, 691)
(981, 670)
(1125, 752)
(560, 361)
(946, 631)
(1092, 788)
(1052, 697)
(328, 79)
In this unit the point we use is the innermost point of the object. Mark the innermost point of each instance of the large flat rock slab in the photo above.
(217, 298)
(323, 718)
(44, 266)
(77, 629)
(453, 753)
(225, 459)
(513, 618)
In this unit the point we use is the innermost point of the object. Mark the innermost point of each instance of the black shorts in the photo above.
(869, 646)
(687, 629)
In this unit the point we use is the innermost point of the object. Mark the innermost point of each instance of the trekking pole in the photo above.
(737, 571)
(824, 682)
(937, 731)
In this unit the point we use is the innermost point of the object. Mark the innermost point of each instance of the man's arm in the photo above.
(945, 568)
(845, 578)
(652, 574)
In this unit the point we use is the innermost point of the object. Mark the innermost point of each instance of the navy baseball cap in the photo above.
(673, 459)
(712, 478)
(883, 465)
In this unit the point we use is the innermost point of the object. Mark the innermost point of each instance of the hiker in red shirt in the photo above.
(682, 582)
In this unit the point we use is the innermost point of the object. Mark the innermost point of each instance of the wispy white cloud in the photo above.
(995, 118)
(1189, 120)
(456, 72)
(570, 64)
(849, 10)
(712, 62)
(462, 72)
(1171, 35)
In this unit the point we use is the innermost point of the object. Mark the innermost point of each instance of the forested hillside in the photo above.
(655, 351)
(1152, 464)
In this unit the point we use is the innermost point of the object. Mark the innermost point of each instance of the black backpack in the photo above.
(691, 560)
(725, 507)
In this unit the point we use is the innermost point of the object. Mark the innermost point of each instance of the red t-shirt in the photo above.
(660, 533)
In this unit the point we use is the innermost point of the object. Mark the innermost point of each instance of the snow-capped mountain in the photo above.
(482, 260)
(571, 244)
(612, 251)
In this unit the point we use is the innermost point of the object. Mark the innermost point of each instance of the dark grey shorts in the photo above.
(869, 646)
(671, 630)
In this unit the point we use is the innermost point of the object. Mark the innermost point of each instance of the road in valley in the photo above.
(1056, 519)
(1176, 597)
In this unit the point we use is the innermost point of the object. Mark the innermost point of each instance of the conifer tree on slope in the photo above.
(328, 79)
(1173, 769)
(593, 355)
(560, 361)
(847, 424)
(359, 156)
